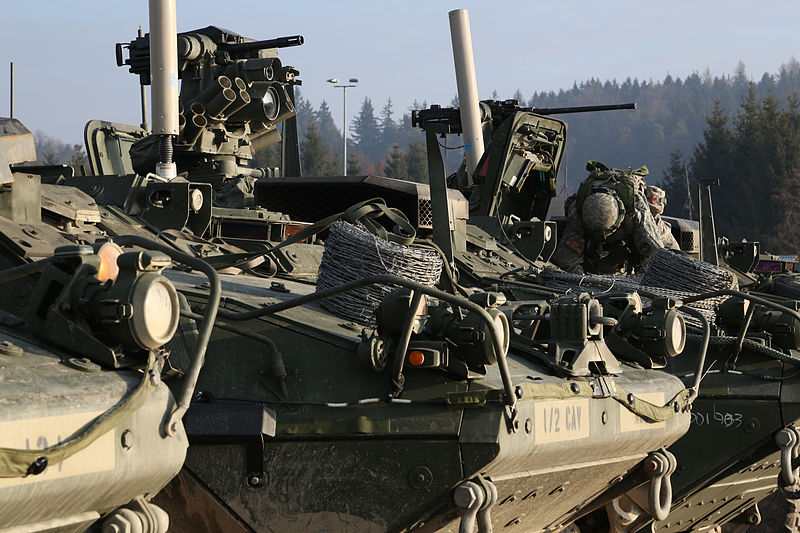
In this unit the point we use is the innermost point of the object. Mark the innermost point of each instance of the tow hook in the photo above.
(659, 467)
(476, 498)
(788, 441)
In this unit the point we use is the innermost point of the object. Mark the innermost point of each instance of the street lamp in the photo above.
(344, 87)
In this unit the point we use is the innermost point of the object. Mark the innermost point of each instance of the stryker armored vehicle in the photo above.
(744, 421)
(89, 432)
(409, 406)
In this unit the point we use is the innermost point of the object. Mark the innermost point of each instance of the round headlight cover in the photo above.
(675, 328)
(155, 311)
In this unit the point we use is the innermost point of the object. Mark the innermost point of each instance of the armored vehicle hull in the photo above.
(341, 443)
(48, 397)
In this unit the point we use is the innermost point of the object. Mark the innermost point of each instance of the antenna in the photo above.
(145, 125)
(11, 114)
(688, 190)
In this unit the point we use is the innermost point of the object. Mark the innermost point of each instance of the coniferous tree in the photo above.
(717, 157)
(416, 105)
(674, 182)
(388, 128)
(417, 162)
(353, 164)
(784, 237)
(779, 154)
(712, 156)
(305, 113)
(757, 161)
(327, 128)
(396, 164)
(366, 130)
(314, 155)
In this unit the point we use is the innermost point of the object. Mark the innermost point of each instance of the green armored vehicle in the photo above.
(744, 421)
(90, 432)
(386, 396)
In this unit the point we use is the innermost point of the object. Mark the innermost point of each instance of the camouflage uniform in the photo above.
(657, 199)
(608, 238)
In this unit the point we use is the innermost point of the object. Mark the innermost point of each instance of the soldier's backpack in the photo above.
(603, 177)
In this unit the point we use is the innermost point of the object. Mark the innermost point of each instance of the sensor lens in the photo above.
(270, 104)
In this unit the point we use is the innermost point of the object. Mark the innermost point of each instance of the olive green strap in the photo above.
(20, 463)
(653, 412)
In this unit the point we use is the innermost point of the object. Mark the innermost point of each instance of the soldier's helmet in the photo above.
(602, 213)
(657, 199)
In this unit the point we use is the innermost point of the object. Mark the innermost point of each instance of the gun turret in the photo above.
(516, 175)
(234, 90)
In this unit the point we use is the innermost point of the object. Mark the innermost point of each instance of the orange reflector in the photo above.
(416, 358)
(291, 229)
(108, 262)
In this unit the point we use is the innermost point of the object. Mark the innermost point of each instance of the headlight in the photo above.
(155, 311)
(140, 311)
(661, 332)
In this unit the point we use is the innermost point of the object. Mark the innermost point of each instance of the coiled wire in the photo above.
(352, 253)
(666, 274)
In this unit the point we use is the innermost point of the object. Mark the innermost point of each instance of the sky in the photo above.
(66, 73)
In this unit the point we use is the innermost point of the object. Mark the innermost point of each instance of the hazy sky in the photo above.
(66, 72)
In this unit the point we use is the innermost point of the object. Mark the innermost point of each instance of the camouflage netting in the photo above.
(666, 274)
(352, 253)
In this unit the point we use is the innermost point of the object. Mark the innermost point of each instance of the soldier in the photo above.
(657, 199)
(609, 227)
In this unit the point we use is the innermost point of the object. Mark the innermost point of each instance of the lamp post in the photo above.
(344, 87)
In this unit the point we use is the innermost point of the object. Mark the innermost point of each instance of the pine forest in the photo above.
(745, 131)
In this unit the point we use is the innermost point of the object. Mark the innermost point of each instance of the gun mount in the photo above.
(516, 176)
(500, 109)
(234, 91)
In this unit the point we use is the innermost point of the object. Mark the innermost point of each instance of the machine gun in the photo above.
(516, 175)
(499, 110)
(225, 45)
(234, 91)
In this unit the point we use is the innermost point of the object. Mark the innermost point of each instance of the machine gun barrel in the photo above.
(448, 119)
(581, 109)
(280, 42)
